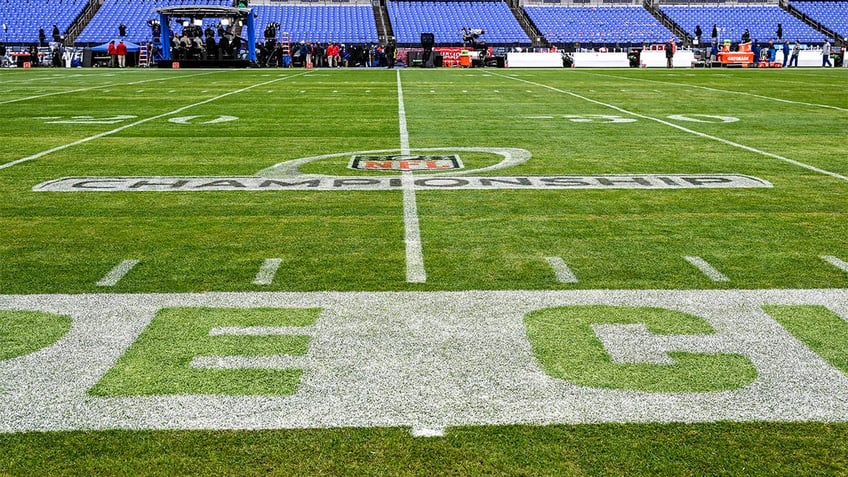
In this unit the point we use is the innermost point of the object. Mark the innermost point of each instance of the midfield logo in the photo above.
(413, 162)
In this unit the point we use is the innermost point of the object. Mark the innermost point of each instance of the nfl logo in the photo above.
(405, 163)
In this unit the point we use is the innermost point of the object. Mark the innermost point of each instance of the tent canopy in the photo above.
(131, 47)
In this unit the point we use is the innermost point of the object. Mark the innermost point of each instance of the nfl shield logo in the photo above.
(403, 163)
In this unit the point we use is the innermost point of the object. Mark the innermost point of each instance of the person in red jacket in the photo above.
(113, 54)
(121, 50)
(333, 55)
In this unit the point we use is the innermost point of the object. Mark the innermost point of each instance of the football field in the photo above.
(460, 271)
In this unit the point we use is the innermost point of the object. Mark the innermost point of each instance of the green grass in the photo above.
(158, 361)
(493, 240)
(24, 332)
(798, 449)
(566, 346)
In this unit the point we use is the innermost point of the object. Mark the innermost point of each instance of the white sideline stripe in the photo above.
(116, 274)
(277, 361)
(561, 271)
(79, 90)
(266, 273)
(139, 122)
(415, 271)
(684, 129)
(836, 262)
(707, 269)
(260, 330)
(427, 432)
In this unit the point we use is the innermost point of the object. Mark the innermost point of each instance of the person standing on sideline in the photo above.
(113, 54)
(826, 55)
(796, 50)
(121, 51)
(670, 47)
(786, 53)
(390, 51)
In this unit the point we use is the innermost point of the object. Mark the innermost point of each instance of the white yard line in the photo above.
(116, 274)
(681, 128)
(836, 262)
(711, 272)
(137, 123)
(266, 273)
(415, 272)
(561, 271)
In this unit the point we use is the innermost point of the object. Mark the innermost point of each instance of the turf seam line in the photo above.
(277, 361)
(710, 271)
(716, 90)
(93, 87)
(260, 330)
(137, 123)
(415, 271)
(116, 274)
(684, 129)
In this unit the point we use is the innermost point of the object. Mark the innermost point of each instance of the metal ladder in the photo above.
(285, 42)
(143, 56)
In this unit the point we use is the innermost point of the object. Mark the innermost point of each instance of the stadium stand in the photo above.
(731, 21)
(447, 19)
(833, 15)
(320, 23)
(24, 18)
(134, 14)
(598, 25)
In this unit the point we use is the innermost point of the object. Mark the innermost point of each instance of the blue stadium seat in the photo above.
(598, 25)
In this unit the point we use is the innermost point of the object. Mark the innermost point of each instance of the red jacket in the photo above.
(121, 49)
(111, 49)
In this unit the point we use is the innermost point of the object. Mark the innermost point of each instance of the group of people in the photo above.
(42, 37)
(767, 54)
(196, 43)
(117, 54)
(309, 54)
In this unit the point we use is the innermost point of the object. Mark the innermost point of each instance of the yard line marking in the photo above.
(260, 330)
(561, 271)
(279, 361)
(267, 271)
(415, 272)
(744, 93)
(711, 272)
(836, 262)
(139, 122)
(79, 90)
(116, 274)
(404, 133)
(427, 432)
(685, 129)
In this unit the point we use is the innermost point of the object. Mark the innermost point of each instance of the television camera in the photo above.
(470, 35)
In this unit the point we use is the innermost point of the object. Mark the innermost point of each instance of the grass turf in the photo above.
(194, 242)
